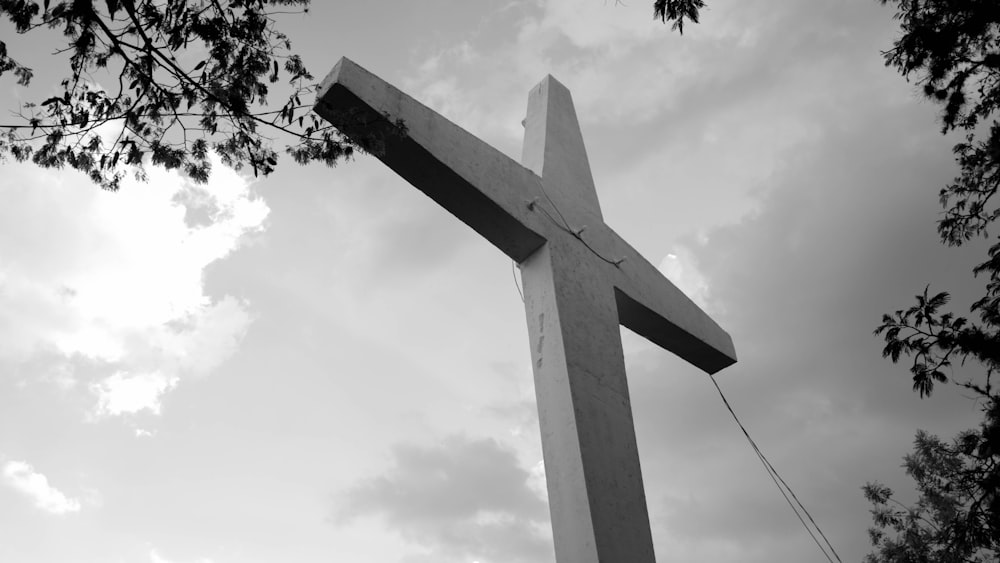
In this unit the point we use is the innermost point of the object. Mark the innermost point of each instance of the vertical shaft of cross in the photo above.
(553, 148)
(596, 498)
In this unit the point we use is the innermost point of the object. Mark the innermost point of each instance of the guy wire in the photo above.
(776, 477)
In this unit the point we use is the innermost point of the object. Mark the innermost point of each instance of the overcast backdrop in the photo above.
(323, 365)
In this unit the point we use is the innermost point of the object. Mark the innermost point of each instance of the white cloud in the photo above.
(208, 337)
(24, 479)
(680, 268)
(621, 65)
(536, 480)
(120, 393)
(155, 557)
(117, 278)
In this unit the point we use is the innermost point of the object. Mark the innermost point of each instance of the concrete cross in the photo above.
(581, 280)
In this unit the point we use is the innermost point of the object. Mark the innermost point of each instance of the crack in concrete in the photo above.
(541, 338)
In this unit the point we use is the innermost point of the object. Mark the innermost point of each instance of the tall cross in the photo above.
(581, 280)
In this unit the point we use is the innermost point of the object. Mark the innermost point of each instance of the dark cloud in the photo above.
(844, 233)
(463, 499)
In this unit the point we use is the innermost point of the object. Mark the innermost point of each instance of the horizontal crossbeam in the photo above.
(501, 199)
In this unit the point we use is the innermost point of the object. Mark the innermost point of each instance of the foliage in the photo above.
(953, 48)
(676, 11)
(935, 340)
(157, 103)
(957, 516)
(954, 45)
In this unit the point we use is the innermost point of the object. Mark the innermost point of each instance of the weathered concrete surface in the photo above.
(475, 182)
(595, 488)
(553, 149)
(581, 280)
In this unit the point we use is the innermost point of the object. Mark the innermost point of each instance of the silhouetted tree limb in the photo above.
(676, 11)
(952, 48)
(147, 105)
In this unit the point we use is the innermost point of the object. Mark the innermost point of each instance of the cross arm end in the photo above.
(472, 180)
(653, 307)
(695, 338)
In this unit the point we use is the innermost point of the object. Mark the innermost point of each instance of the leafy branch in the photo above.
(955, 517)
(676, 11)
(933, 339)
(159, 109)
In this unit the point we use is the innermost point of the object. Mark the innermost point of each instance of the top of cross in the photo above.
(553, 148)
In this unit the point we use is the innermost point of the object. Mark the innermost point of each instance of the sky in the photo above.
(325, 365)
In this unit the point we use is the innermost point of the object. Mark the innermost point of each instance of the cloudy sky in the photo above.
(323, 365)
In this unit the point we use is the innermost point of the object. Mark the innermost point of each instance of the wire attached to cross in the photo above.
(780, 483)
(532, 204)
(563, 224)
